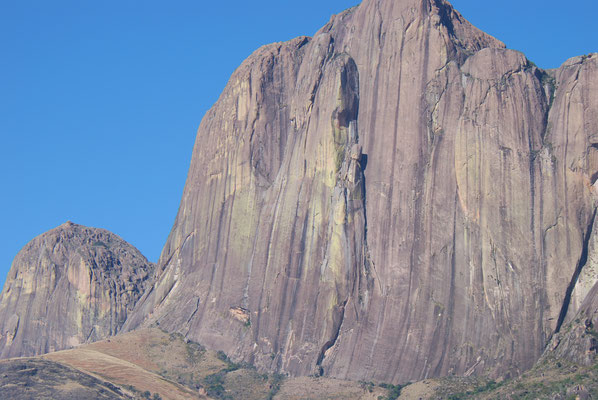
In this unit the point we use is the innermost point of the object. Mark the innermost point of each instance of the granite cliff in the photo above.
(398, 197)
(68, 286)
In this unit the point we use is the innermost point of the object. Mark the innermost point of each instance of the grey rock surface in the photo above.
(398, 197)
(68, 286)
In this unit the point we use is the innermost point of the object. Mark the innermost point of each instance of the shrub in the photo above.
(394, 391)
(222, 356)
(214, 385)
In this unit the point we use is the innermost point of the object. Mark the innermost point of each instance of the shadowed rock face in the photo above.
(68, 286)
(398, 197)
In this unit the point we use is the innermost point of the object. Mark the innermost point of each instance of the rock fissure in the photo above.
(194, 311)
(90, 333)
(583, 259)
(330, 343)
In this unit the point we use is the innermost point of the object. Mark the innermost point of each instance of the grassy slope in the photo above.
(33, 378)
(121, 373)
(150, 363)
(155, 362)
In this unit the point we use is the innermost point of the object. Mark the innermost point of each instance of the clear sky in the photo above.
(100, 100)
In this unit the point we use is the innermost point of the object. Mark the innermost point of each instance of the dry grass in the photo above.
(121, 372)
(420, 390)
(167, 364)
(308, 388)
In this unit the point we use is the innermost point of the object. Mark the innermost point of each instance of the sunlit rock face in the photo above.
(398, 197)
(68, 286)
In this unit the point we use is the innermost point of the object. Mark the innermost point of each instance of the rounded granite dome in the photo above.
(70, 285)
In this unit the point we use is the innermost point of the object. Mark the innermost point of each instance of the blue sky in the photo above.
(100, 100)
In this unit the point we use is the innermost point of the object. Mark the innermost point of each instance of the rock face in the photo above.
(577, 341)
(68, 286)
(398, 197)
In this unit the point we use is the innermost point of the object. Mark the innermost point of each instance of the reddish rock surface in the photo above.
(398, 197)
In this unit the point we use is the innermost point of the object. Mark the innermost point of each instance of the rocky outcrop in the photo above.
(398, 197)
(577, 341)
(68, 286)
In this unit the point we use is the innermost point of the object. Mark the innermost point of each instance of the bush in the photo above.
(222, 356)
(394, 391)
(214, 385)
(369, 386)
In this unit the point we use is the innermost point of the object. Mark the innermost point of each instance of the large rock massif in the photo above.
(69, 286)
(396, 198)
